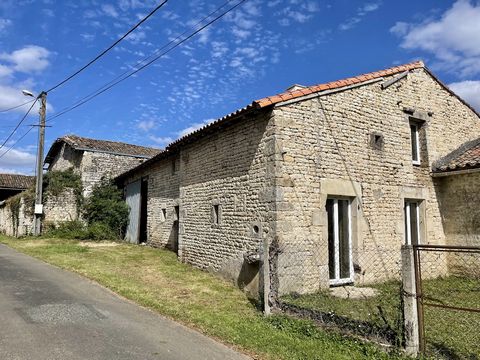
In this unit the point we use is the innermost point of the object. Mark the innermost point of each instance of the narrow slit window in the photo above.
(414, 138)
(216, 214)
(163, 214)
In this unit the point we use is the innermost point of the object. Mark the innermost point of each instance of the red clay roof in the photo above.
(14, 181)
(465, 157)
(288, 95)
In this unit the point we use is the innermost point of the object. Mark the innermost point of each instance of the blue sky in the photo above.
(260, 49)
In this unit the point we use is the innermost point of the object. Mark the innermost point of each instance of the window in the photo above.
(216, 214)
(163, 214)
(176, 213)
(412, 222)
(414, 139)
(174, 166)
(340, 263)
(376, 141)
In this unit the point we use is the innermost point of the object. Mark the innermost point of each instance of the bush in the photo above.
(68, 229)
(79, 231)
(106, 210)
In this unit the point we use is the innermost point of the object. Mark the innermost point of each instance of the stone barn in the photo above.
(331, 178)
(91, 160)
(12, 184)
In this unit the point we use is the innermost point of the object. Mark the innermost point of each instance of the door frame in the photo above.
(337, 280)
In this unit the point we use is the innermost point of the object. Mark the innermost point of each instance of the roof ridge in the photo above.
(447, 162)
(336, 84)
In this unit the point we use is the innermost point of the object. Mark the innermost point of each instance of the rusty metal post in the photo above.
(419, 292)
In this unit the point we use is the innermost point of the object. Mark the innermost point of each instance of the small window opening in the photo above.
(256, 229)
(177, 213)
(216, 214)
(163, 214)
(414, 139)
(376, 141)
(174, 166)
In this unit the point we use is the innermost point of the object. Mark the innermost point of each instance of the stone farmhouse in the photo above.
(331, 178)
(92, 160)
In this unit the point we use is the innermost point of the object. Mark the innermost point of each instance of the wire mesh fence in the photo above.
(340, 286)
(448, 297)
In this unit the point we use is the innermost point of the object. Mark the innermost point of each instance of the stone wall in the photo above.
(60, 208)
(12, 225)
(96, 165)
(459, 199)
(228, 171)
(326, 145)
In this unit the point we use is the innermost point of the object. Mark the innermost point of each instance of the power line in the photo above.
(111, 84)
(107, 49)
(139, 63)
(16, 142)
(19, 123)
(16, 106)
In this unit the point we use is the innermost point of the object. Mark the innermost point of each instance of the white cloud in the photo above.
(109, 10)
(362, 11)
(193, 127)
(4, 23)
(146, 125)
(136, 36)
(5, 71)
(468, 90)
(453, 39)
(17, 161)
(161, 141)
(31, 58)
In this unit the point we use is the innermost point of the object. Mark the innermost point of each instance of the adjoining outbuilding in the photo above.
(330, 180)
(85, 162)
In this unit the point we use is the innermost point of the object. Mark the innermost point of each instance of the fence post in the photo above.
(410, 310)
(265, 275)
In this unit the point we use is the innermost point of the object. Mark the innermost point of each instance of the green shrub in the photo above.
(56, 182)
(100, 231)
(106, 206)
(68, 229)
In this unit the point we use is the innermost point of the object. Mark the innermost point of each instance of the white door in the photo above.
(133, 202)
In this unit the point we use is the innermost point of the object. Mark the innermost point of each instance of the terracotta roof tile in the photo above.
(14, 181)
(465, 157)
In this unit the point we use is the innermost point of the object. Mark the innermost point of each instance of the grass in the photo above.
(382, 312)
(449, 334)
(155, 279)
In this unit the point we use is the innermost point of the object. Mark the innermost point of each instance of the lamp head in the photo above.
(27, 93)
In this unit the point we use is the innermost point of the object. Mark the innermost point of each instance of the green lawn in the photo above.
(155, 279)
(449, 334)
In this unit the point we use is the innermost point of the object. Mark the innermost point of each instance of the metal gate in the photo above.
(447, 280)
(133, 201)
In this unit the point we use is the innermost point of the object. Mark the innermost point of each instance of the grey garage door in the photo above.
(133, 201)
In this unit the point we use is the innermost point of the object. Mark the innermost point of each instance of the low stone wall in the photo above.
(57, 209)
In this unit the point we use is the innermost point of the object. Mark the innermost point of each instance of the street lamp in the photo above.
(39, 179)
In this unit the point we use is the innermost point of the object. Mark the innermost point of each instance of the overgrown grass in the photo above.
(383, 311)
(155, 279)
(449, 334)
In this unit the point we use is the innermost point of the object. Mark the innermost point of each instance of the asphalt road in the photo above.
(47, 313)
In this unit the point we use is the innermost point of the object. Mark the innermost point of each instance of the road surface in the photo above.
(47, 313)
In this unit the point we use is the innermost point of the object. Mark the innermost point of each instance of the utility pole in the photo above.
(39, 184)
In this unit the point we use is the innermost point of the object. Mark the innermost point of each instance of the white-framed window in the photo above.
(340, 264)
(415, 141)
(412, 222)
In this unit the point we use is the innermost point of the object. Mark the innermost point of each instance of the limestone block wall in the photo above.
(21, 226)
(96, 165)
(60, 208)
(329, 138)
(230, 171)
